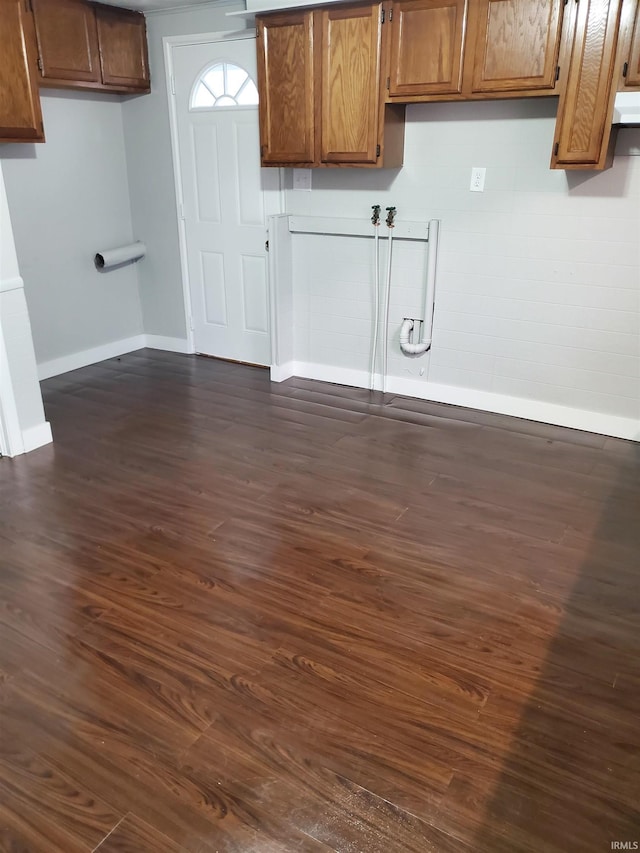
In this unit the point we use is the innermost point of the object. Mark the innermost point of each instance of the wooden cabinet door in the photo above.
(20, 114)
(516, 44)
(350, 53)
(122, 37)
(286, 88)
(426, 47)
(585, 110)
(67, 41)
(632, 70)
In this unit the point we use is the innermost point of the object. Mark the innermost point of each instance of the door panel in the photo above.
(205, 178)
(67, 40)
(583, 127)
(350, 62)
(254, 277)
(20, 113)
(286, 85)
(213, 290)
(250, 203)
(516, 44)
(224, 212)
(122, 35)
(426, 47)
(633, 70)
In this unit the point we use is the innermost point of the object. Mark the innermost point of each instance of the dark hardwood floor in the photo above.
(245, 617)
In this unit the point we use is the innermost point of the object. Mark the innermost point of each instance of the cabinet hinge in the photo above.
(181, 210)
(625, 69)
(377, 150)
(388, 82)
(382, 15)
(557, 73)
(390, 15)
(173, 85)
(556, 148)
(40, 64)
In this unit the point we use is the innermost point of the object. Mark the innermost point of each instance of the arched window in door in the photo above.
(223, 85)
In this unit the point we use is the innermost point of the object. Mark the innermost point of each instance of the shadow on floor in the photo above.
(581, 719)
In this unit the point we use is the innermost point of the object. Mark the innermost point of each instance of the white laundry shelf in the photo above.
(402, 230)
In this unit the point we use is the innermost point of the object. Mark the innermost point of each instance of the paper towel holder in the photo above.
(109, 258)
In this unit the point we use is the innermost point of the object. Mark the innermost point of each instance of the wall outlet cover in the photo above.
(478, 174)
(302, 179)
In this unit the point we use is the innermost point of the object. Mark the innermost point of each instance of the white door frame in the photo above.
(274, 199)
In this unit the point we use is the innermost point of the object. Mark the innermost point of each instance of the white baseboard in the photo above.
(280, 372)
(517, 407)
(56, 366)
(338, 375)
(487, 401)
(37, 436)
(168, 344)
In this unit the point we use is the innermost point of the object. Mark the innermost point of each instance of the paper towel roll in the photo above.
(121, 255)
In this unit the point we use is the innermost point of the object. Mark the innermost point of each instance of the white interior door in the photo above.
(223, 198)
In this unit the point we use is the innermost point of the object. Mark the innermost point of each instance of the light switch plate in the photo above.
(302, 179)
(477, 179)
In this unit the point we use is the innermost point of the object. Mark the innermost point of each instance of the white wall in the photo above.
(68, 198)
(151, 177)
(539, 276)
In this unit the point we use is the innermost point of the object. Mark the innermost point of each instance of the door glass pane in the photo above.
(223, 85)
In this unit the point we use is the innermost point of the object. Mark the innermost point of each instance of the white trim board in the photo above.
(15, 283)
(37, 436)
(340, 227)
(168, 344)
(75, 360)
(502, 404)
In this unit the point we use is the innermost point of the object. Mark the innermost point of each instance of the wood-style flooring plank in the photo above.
(133, 835)
(253, 617)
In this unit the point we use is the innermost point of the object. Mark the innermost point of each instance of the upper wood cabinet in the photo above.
(87, 46)
(583, 128)
(67, 41)
(321, 99)
(20, 114)
(286, 88)
(631, 54)
(426, 47)
(473, 49)
(334, 79)
(350, 51)
(122, 37)
(516, 44)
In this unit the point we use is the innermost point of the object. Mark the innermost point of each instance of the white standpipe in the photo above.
(417, 348)
(387, 296)
(376, 302)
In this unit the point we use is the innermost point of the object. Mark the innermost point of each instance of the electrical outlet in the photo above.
(302, 179)
(477, 179)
